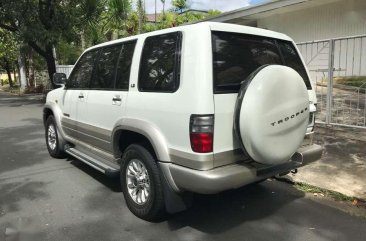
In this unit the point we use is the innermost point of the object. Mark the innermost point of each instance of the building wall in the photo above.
(339, 19)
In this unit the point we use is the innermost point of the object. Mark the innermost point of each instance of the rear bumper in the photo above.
(234, 175)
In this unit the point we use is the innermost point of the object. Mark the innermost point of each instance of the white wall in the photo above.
(339, 19)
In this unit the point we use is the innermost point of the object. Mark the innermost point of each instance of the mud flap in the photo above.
(175, 202)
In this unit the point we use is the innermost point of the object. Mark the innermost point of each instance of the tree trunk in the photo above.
(8, 71)
(22, 72)
(139, 7)
(51, 65)
(15, 73)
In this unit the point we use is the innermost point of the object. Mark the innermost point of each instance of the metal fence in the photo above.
(338, 71)
(66, 69)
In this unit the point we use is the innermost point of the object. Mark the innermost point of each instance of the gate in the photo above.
(338, 70)
(66, 69)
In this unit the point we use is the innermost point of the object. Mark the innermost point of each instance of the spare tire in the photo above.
(272, 114)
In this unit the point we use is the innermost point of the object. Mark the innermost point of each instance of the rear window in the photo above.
(236, 56)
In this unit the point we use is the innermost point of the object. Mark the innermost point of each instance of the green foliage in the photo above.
(213, 12)
(189, 17)
(4, 81)
(179, 5)
(356, 81)
(68, 53)
(167, 20)
(9, 46)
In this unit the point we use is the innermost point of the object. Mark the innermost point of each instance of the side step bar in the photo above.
(98, 165)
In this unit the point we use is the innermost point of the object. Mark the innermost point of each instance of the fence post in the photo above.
(328, 118)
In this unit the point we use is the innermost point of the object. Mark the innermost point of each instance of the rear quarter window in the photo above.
(160, 63)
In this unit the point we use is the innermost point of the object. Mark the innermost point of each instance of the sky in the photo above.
(222, 5)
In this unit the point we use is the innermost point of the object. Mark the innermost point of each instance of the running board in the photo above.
(96, 164)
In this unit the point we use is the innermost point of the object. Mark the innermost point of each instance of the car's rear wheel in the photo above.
(141, 183)
(52, 139)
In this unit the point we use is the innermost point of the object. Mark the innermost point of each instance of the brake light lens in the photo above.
(201, 133)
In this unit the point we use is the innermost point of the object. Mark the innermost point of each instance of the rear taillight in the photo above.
(201, 133)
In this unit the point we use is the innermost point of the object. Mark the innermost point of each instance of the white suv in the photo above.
(200, 108)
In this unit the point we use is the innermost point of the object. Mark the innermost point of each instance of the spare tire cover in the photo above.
(272, 114)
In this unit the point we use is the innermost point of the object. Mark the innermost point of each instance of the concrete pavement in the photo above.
(343, 165)
(51, 199)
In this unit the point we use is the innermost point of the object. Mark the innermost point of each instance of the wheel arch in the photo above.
(51, 108)
(137, 131)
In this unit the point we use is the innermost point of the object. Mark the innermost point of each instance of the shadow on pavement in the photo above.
(112, 183)
(221, 212)
(12, 194)
(18, 101)
(22, 146)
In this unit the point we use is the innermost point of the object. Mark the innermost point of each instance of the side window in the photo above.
(292, 59)
(82, 72)
(105, 68)
(124, 65)
(160, 63)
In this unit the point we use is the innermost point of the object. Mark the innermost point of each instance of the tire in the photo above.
(140, 177)
(52, 139)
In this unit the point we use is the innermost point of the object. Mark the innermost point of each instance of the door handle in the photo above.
(81, 96)
(116, 100)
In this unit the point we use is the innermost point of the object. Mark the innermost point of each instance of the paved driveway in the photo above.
(50, 199)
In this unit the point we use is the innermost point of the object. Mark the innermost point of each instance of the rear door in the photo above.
(75, 97)
(235, 57)
(107, 97)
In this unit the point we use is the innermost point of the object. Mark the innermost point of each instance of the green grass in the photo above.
(14, 89)
(355, 81)
(328, 193)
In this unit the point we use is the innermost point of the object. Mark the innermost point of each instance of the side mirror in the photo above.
(59, 78)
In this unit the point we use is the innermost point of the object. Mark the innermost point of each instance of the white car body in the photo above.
(164, 118)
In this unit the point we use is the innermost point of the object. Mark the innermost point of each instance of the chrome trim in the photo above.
(138, 182)
(93, 161)
(191, 160)
(51, 137)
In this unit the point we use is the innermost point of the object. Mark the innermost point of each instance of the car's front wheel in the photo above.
(52, 140)
(141, 183)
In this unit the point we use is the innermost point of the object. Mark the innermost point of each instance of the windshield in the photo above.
(236, 56)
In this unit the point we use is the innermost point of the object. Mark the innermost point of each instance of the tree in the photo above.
(163, 2)
(141, 12)
(40, 24)
(114, 18)
(213, 12)
(179, 5)
(9, 49)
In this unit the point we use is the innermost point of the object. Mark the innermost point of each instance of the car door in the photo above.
(107, 97)
(76, 94)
